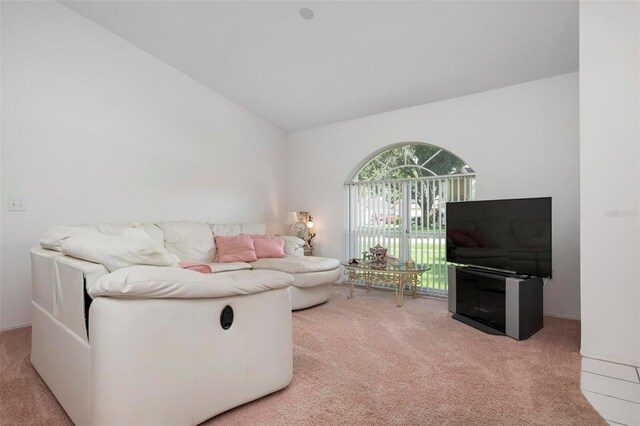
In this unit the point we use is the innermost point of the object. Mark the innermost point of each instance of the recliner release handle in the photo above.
(226, 317)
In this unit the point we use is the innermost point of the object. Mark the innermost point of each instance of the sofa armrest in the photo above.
(293, 246)
(90, 271)
(72, 302)
(58, 287)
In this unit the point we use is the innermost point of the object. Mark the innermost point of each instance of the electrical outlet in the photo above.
(17, 205)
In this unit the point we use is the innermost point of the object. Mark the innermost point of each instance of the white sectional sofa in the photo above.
(164, 345)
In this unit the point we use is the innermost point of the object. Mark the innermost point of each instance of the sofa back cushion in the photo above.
(258, 236)
(190, 241)
(234, 229)
(254, 228)
(151, 229)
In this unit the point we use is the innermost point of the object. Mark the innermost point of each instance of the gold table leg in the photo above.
(399, 295)
(351, 278)
(414, 285)
(400, 290)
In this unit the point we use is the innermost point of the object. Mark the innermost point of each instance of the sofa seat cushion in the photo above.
(297, 264)
(228, 267)
(152, 282)
(313, 279)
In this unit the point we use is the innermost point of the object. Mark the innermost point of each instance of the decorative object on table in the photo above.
(390, 260)
(310, 234)
(291, 218)
(410, 263)
(378, 252)
(301, 228)
(366, 256)
(353, 261)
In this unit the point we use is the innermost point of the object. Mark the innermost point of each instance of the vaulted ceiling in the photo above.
(353, 58)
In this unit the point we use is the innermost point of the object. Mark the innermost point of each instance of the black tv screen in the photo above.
(510, 235)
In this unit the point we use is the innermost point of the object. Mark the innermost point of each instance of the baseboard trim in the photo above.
(614, 360)
(14, 327)
(563, 316)
(613, 409)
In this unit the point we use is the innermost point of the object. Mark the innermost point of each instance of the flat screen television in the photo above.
(509, 235)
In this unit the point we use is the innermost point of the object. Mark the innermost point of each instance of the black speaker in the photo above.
(226, 317)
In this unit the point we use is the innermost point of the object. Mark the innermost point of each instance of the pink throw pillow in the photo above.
(235, 249)
(269, 248)
(257, 237)
(195, 266)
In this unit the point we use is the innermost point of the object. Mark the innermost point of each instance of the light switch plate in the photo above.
(17, 204)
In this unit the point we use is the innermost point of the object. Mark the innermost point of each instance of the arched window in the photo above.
(412, 161)
(397, 198)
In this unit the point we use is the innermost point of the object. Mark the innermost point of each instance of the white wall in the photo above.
(522, 141)
(94, 129)
(610, 180)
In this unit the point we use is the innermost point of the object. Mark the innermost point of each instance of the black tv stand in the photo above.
(477, 325)
(496, 302)
(488, 271)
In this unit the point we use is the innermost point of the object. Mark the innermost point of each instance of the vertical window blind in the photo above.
(407, 217)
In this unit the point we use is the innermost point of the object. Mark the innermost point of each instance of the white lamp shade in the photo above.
(290, 218)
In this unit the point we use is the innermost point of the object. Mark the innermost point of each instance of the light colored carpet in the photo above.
(365, 362)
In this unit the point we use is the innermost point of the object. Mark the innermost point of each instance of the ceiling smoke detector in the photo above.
(306, 13)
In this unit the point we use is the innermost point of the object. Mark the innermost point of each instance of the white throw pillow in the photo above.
(117, 251)
(56, 234)
(293, 246)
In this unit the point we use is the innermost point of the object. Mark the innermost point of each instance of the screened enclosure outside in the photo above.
(398, 200)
